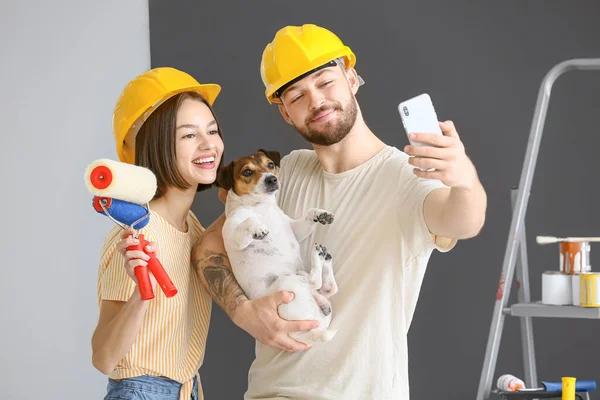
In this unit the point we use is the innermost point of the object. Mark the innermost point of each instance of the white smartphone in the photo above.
(418, 116)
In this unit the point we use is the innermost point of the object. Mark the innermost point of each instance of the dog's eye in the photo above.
(247, 172)
(271, 165)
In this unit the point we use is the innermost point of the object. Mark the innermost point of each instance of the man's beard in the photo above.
(330, 132)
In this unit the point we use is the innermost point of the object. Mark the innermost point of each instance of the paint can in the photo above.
(590, 289)
(556, 288)
(575, 257)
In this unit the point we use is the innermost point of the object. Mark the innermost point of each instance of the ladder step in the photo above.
(537, 309)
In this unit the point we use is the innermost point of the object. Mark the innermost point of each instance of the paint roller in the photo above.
(123, 192)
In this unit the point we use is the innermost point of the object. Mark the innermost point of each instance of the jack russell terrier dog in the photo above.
(263, 245)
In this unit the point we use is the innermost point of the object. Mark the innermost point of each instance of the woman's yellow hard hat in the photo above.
(143, 95)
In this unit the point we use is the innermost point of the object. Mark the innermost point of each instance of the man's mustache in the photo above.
(323, 108)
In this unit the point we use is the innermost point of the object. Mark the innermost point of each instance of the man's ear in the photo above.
(353, 80)
(284, 114)
(225, 177)
(273, 155)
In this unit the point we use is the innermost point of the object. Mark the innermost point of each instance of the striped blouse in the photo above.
(172, 339)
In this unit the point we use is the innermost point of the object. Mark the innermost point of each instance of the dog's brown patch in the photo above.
(243, 174)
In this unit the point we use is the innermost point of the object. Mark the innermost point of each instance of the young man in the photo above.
(390, 216)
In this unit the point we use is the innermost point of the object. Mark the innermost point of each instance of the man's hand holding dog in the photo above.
(446, 154)
(260, 319)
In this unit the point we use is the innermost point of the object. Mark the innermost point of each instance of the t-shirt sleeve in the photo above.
(412, 192)
(114, 283)
(286, 165)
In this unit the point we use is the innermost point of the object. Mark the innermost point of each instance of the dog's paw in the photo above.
(257, 230)
(321, 216)
(325, 309)
(260, 233)
(328, 284)
(322, 252)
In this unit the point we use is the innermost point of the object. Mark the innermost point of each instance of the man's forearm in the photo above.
(457, 212)
(465, 208)
(215, 273)
(463, 211)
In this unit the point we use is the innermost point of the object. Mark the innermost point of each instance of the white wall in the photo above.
(62, 65)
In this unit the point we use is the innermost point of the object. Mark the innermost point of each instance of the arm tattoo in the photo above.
(215, 271)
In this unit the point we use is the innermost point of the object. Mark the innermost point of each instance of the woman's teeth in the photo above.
(204, 160)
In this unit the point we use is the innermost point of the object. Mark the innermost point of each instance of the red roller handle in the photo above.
(157, 270)
(141, 273)
(161, 276)
(144, 283)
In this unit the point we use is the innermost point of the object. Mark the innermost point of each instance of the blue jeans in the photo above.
(146, 388)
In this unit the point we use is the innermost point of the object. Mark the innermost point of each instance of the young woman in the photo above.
(163, 121)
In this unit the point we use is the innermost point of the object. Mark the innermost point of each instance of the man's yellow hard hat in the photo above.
(296, 51)
(143, 95)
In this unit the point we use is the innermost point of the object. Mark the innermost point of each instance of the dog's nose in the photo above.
(271, 180)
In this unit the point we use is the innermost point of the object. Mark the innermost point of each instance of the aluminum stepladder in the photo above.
(525, 309)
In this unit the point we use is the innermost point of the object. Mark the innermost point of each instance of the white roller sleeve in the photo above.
(129, 182)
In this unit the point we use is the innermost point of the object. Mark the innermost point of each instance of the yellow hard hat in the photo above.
(143, 95)
(296, 51)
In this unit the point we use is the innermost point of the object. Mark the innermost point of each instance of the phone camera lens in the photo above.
(405, 109)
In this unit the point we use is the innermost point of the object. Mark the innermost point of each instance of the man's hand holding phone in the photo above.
(443, 153)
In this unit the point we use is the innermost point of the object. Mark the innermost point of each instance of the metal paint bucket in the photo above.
(575, 257)
(590, 289)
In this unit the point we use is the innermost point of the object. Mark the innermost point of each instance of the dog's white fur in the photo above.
(262, 245)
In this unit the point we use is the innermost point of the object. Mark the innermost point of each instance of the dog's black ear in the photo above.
(225, 177)
(273, 155)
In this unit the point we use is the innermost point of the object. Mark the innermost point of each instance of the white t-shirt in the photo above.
(380, 245)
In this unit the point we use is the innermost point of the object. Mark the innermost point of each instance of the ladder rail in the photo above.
(524, 296)
(518, 217)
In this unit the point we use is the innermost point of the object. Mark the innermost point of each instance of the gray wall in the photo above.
(482, 63)
(63, 65)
